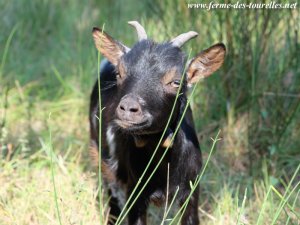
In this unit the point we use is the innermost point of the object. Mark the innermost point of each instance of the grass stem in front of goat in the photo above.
(170, 206)
(154, 170)
(197, 181)
(121, 216)
(100, 142)
(167, 195)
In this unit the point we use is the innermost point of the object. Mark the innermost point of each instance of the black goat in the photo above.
(138, 90)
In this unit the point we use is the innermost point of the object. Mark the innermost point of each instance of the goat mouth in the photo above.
(133, 126)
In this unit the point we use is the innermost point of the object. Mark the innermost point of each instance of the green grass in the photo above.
(49, 65)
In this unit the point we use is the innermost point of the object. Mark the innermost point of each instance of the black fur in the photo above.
(146, 64)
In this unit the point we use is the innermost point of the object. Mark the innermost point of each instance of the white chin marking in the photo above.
(110, 138)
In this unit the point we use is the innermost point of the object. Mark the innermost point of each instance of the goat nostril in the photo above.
(122, 107)
(134, 110)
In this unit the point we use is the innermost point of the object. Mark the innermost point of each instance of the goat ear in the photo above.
(205, 63)
(107, 46)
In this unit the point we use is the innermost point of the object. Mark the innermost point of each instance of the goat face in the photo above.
(149, 76)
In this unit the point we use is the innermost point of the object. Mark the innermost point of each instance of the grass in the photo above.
(49, 64)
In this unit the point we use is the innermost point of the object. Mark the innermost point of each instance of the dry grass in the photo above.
(27, 195)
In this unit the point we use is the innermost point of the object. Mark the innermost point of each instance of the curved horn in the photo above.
(139, 29)
(182, 38)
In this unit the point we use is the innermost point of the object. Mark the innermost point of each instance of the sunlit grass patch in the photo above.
(26, 194)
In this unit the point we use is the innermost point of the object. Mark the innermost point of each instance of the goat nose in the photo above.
(129, 108)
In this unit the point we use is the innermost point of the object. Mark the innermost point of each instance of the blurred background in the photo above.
(49, 64)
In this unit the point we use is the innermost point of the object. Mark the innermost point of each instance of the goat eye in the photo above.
(175, 83)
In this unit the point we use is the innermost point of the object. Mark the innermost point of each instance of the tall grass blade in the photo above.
(100, 142)
(52, 173)
(243, 207)
(6, 48)
(285, 202)
(261, 212)
(293, 207)
(284, 198)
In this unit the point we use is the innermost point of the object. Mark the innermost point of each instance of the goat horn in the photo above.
(182, 38)
(139, 29)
